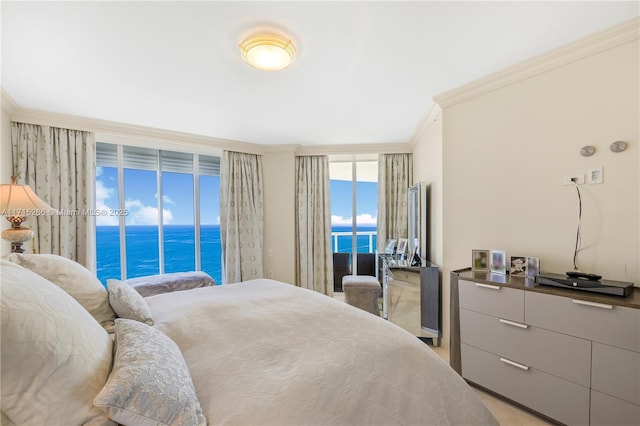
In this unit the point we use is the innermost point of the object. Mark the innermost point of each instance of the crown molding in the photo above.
(8, 104)
(617, 35)
(430, 116)
(274, 149)
(354, 149)
(112, 131)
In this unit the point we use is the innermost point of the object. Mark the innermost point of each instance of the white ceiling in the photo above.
(365, 71)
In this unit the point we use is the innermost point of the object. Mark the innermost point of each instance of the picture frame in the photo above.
(402, 246)
(415, 259)
(498, 261)
(518, 266)
(390, 247)
(480, 260)
(533, 267)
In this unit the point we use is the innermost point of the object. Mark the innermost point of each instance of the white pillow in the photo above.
(128, 303)
(55, 356)
(73, 278)
(150, 383)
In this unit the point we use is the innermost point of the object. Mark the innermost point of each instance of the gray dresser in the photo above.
(571, 356)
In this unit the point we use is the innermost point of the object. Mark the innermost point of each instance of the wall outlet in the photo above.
(579, 179)
(594, 176)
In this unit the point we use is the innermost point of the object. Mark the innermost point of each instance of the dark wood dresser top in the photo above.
(528, 284)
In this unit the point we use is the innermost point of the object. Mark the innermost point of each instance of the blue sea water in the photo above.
(143, 254)
(365, 243)
(179, 249)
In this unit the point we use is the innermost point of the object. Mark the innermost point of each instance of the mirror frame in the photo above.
(414, 233)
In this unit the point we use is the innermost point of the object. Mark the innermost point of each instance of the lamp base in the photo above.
(16, 248)
(17, 236)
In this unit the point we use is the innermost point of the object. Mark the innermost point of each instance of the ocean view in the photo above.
(179, 249)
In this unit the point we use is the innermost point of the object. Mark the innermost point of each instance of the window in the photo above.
(157, 212)
(354, 206)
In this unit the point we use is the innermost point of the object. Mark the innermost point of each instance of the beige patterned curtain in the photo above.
(59, 165)
(395, 176)
(241, 216)
(314, 264)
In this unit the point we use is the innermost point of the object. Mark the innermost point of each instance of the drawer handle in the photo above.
(594, 304)
(492, 287)
(515, 324)
(515, 364)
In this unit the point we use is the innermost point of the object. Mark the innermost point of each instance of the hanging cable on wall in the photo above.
(578, 236)
(576, 273)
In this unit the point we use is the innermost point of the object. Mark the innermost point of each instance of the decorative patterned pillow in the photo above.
(55, 356)
(127, 302)
(150, 382)
(73, 278)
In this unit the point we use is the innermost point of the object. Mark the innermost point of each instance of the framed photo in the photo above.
(533, 267)
(402, 246)
(518, 266)
(415, 259)
(391, 245)
(479, 260)
(498, 261)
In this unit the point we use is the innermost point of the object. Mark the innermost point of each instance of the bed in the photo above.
(260, 352)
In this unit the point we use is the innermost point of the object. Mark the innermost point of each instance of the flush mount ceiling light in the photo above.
(268, 52)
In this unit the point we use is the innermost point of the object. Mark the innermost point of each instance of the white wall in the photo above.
(279, 215)
(506, 141)
(427, 169)
(505, 153)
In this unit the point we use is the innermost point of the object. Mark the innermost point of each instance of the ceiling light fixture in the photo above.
(268, 52)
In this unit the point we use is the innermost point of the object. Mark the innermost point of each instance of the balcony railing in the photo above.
(342, 241)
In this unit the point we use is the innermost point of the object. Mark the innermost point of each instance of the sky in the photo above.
(141, 197)
(142, 205)
(342, 204)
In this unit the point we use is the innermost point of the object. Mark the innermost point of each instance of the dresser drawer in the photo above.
(402, 275)
(609, 411)
(559, 399)
(490, 299)
(616, 372)
(614, 325)
(535, 347)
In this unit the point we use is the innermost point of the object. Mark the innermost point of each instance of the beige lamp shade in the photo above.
(17, 202)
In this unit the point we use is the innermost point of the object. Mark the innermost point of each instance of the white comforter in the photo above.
(265, 352)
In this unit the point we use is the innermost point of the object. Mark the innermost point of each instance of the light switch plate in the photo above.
(594, 176)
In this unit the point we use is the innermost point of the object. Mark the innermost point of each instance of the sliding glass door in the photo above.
(354, 203)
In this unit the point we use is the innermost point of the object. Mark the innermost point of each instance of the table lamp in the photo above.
(16, 203)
